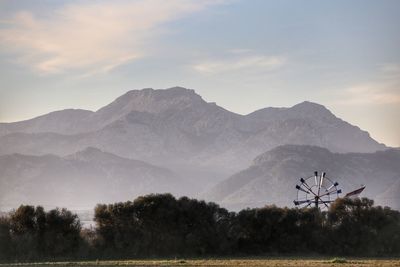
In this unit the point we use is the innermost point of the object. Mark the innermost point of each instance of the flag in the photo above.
(355, 193)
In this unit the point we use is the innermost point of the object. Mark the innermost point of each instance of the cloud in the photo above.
(385, 89)
(372, 93)
(90, 36)
(242, 62)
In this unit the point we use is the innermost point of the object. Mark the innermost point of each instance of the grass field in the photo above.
(225, 262)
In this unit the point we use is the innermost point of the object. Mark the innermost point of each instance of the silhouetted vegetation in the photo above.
(30, 233)
(160, 225)
(163, 226)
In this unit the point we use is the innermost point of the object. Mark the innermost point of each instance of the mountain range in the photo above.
(191, 147)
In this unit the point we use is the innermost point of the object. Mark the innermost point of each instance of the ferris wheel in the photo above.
(317, 190)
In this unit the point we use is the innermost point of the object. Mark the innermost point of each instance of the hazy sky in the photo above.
(242, 54)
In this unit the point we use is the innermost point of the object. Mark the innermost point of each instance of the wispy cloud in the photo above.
(365, 94)
(90, 36)
(384, 90)
(241, 61)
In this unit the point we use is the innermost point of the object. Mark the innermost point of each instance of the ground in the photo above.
(228, 262)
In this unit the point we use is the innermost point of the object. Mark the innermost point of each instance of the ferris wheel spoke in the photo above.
(321, 180)
(334, 185)
(325, 201)
(300, 202)
(303, 199)
(304, 183)
(338, 191)
(316, 178)
(298, 187)
(309, 189)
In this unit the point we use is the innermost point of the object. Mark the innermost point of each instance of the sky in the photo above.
(242, 54)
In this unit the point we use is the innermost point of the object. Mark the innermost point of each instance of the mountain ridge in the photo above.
(201, 126)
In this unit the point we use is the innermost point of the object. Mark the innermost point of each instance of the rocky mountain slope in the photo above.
(272, 177)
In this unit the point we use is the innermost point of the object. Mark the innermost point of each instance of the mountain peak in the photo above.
(168, 92)
(303, 110)
(155, 101)
(307, 107)
(310, 106)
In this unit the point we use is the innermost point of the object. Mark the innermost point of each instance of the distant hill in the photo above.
(272, 177)
(80, 180)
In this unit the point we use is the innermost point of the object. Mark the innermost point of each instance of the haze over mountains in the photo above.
(184, 144)
(81, 179)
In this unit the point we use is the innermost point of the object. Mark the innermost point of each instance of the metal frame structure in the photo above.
(317, 190)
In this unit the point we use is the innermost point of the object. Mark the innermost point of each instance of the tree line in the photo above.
(159, 225)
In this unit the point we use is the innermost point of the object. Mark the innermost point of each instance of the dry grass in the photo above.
(228, 262)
